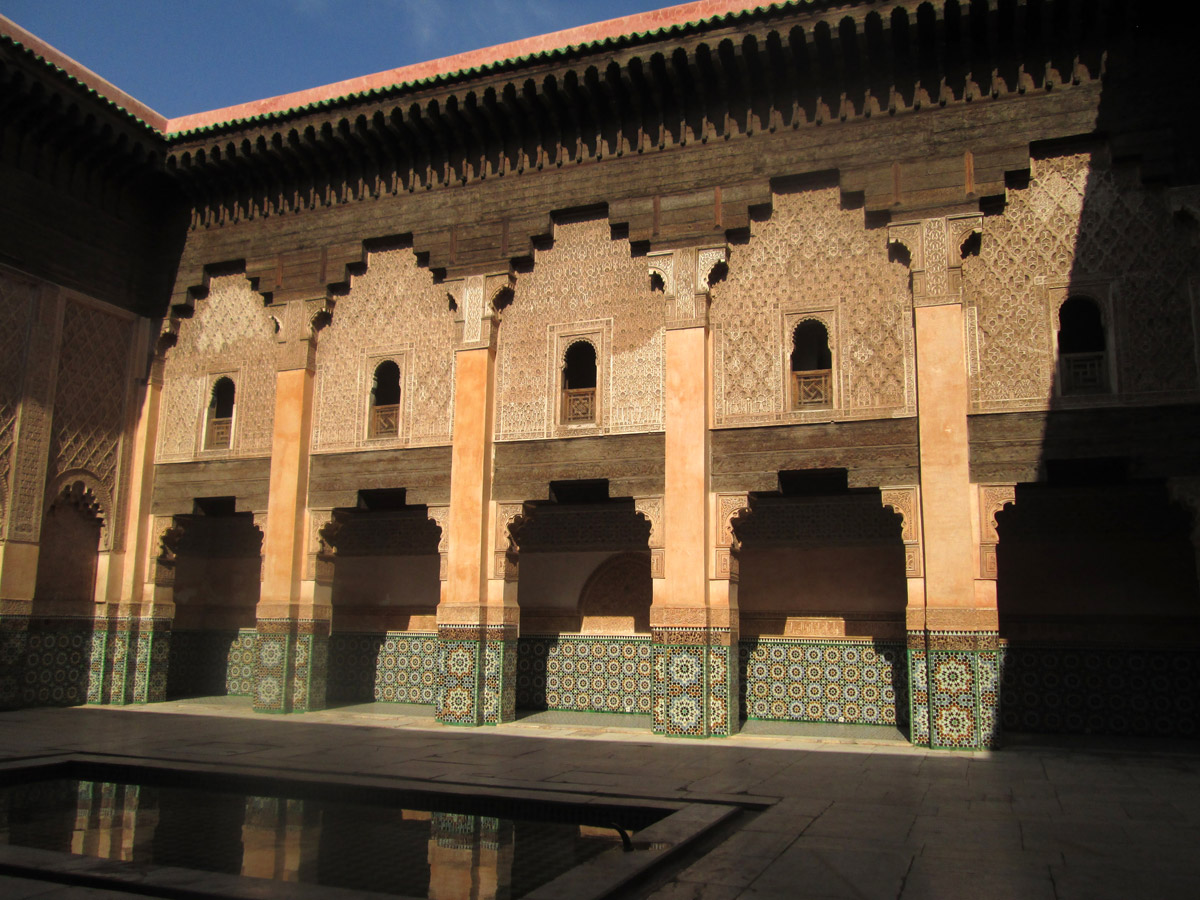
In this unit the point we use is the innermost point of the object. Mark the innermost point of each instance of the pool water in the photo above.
(389, 846)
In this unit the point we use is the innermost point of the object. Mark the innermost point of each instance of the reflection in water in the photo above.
(439, 855)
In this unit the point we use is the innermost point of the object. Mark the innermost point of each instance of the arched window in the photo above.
(1082, 348)
(579, 384)
(218, 429)
(812, 367)
(385, 400)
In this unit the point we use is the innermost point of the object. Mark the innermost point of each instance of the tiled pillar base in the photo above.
(129, 661)
(291, 663)
(954, 679)
(14, 639)
(477, 674)
(695, 682)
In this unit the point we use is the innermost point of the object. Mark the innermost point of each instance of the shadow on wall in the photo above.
(1097, 581)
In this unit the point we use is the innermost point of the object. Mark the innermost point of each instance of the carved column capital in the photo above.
(476, 319)
(685, 273)
(935, 255)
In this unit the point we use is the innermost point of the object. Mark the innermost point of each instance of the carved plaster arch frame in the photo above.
(1101, 292)
(992, 499)
(369, 361)
(165, 534)
(651, 509)
(905, 501)
(94, 495)
(730, 507)
(560, 337)
(440, 516)
(510, 518)
(791, 318)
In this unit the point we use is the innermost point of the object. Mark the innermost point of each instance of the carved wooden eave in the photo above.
(919, 109)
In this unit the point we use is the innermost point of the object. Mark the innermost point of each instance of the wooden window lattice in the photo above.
(579, 406)
(812, 389)
(385, 420)
(218, 434)
(1084, 373)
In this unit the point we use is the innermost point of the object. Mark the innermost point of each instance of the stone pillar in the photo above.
(292, 644)
(694, 633)
(135, 616)
(954, 660)
(477, 618)
(22, 512)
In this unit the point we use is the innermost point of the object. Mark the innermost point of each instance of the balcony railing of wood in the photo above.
(579, 406)
(385, 420)
(1084, 373)
(218, 434)
(812, 389)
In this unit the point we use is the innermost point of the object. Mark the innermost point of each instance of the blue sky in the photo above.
(187, 56)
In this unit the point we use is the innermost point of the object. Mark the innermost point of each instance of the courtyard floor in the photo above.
(837, 813)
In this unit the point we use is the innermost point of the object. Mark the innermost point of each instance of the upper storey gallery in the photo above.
(557, 183)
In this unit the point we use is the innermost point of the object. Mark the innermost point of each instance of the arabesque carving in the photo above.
(394, 305)
(94, 370)
(992, 499)
(651, 509)
(905, 502)
(1078, 220)
(229, 331)
(18, 299)
(812, 254)
(585, 277)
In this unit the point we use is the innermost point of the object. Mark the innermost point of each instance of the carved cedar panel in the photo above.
(586, 276)
(393, 306)
(17, 300)
(811, 254)
(229, 332)
(1079, 221)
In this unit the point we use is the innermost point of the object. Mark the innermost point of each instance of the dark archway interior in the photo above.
(579, 370)
(222, 398)
(386, 391)
(810, 347)
(1081, 329)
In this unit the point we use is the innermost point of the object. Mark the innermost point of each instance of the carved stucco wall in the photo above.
(229, 333)
(812, 259)
(1079, 226)
(586, 284)
(17, 299)
(91, 392)
(393, 311)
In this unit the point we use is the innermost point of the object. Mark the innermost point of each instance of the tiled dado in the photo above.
(694, 683)
(585, 673)
(291, 665)
(396, 667)
(476, 675)
(1101, 690)
(849, 682)
(954, 680)
(56, 666)
(129, 661)
(211, 663)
